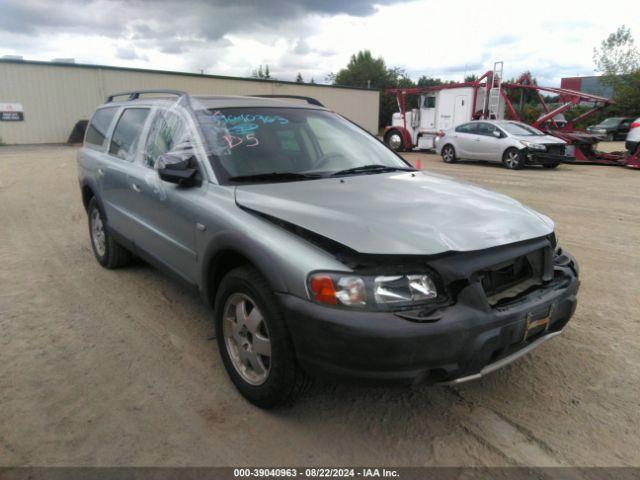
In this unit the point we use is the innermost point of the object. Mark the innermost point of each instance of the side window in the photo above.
(169, 134)
(127, 133)
(467, 128)
(486, 129)
(429, 102)
(98, 126)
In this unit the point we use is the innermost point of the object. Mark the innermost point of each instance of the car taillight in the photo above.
(440, 133)
(635, 125)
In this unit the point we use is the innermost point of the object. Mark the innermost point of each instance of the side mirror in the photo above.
(497, 134)
(175, 169)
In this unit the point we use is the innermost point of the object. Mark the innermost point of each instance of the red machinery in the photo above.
(495, 91)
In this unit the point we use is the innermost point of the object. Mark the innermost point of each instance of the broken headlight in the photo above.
(534, 146)
(374, 292)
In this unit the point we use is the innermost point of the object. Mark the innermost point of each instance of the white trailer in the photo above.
(441, 108)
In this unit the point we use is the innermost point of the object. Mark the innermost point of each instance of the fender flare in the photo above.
(253, 251)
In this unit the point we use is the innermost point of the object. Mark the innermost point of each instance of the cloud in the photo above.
(188, 19)
(501, 40)
(314, 37)
(129, 53)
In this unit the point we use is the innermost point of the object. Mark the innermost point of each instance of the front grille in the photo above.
(555, 149)
(509, 279)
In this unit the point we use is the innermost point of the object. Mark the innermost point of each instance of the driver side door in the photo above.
(489, 146)
(168, 210)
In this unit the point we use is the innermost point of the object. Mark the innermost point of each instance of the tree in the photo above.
(299, 78)
(425, 81)
(617, 54)
(471, 78)
(312, 81)
(619, 61)
(261, 74)
(365, 71)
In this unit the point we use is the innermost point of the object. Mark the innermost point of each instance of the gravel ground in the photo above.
(103, 367)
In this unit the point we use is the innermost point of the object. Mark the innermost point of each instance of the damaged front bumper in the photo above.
(459, 342)
(541, 158)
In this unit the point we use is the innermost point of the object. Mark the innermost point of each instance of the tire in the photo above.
(513, 159)
(449, 154)
(107, 251)
(272, 376)
(394, 140)
(551, 165)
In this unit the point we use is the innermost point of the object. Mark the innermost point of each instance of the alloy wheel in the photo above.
(512, 159)
(447, 155)
(97, 233)
(247, 338)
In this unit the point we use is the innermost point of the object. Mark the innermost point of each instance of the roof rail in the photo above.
(134, 95)
(309, 100)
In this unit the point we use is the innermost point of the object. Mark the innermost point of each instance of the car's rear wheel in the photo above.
(107, 251)
(513, 159)
(394, 140)
(448, 154)
(254, 341)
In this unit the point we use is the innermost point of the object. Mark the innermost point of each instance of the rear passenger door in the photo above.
(466, 136)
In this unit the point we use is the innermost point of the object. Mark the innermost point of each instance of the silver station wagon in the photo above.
(320, 251)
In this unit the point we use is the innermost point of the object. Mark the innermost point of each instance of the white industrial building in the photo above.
(40, 102)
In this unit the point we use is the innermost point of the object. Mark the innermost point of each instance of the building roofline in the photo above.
(172, 72)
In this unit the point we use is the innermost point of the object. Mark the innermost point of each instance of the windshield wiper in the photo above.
(274, 176)
(373, 168)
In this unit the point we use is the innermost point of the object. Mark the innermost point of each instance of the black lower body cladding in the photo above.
(457, 341)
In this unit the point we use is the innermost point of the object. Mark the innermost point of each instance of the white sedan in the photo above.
(512, 143)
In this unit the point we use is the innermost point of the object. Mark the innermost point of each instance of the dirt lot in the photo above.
(105, 367)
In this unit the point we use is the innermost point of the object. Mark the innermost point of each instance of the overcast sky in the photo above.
(314, 37)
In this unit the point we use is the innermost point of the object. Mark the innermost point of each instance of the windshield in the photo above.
(611, 122)
(520, 129)
(302, 143)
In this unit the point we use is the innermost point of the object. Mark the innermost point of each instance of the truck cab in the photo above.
(437, 111)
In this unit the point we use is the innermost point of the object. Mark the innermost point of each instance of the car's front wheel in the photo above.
(254, 341)
(448, 154)
(513, 159)
(107, 251)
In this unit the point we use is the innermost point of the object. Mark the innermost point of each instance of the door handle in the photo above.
(136, 187)
(476, 139)
(101, 172)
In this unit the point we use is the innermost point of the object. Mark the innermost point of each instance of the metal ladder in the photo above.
(495, 92)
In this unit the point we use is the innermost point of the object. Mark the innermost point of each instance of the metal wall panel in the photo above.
(56, 96)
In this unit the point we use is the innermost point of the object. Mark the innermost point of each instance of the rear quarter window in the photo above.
(98, 127)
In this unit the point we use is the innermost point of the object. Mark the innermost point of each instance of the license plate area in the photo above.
(535, 325)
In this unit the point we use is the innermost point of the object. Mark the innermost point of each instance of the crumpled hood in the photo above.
(398, 213)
